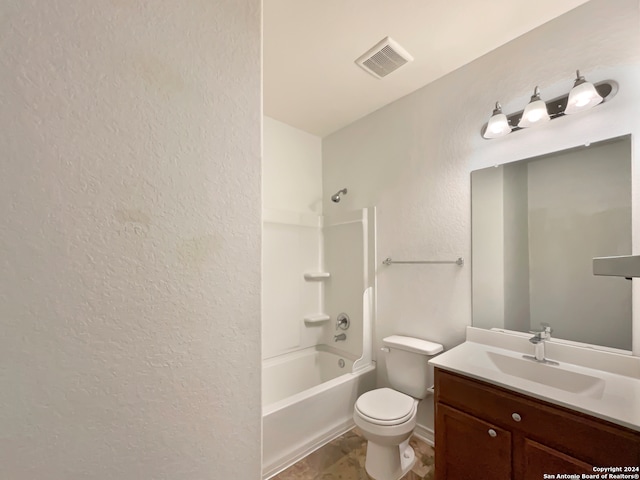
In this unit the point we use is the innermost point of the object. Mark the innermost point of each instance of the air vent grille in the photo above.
(385, 57)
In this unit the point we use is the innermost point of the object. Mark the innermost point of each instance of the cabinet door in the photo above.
(532, 460)
(468, 448)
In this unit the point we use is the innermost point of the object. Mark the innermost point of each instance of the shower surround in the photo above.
(314, 268)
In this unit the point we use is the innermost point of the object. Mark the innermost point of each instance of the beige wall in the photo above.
(130, 240)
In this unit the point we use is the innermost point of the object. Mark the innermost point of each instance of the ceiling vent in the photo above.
(386, 57)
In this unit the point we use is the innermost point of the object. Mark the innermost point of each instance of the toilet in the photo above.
(387, 416)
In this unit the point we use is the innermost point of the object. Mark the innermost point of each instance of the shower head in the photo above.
(336, 198)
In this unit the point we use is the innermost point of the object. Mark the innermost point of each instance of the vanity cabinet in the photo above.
(483, 431)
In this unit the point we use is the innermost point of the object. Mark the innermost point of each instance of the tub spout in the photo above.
(340, 338)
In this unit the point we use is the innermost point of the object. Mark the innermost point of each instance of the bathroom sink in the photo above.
(549, 375)
(599, 383)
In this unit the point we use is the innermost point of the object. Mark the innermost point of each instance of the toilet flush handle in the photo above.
(385, 349)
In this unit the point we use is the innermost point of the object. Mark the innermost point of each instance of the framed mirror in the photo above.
(536, 226)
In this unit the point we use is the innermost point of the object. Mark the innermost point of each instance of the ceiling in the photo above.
(312, 83)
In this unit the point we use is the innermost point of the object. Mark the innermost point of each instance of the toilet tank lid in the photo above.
(411, 344)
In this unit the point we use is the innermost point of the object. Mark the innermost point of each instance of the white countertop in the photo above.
(616, 398)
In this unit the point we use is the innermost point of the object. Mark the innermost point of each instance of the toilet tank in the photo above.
(406, 361)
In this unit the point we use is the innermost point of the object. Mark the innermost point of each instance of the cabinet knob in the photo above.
(492, 433)
(516, 417)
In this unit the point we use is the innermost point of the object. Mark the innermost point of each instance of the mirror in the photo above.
(536, 225)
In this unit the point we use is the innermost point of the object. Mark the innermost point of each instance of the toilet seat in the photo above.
(385, 406)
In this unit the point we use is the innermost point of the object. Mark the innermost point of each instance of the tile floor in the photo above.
(343, 459)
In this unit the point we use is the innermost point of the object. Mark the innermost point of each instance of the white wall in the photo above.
(292, 169)
(412, 158)
(292, 237)
(344, 246)
(130, 239)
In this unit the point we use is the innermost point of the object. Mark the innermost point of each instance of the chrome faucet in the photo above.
(340, 338)
(538, 340)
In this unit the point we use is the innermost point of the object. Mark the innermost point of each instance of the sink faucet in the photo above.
(339, 338)
(538, 340)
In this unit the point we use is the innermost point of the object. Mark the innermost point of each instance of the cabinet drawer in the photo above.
(592, 440)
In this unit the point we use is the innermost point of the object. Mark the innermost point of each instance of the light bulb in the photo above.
(498, 125)
(535, 112)
(582, 100)
(534, 115)
(582, 96)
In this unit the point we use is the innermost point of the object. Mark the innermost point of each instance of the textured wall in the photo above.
(130, 239)
(412, 158)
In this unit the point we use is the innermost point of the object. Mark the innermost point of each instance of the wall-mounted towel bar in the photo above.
(389, 261)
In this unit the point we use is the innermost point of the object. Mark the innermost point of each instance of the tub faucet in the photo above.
(538, 340)
(340, 338)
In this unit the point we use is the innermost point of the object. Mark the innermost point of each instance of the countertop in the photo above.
(617, 401)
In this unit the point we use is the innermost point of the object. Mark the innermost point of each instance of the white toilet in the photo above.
(387, 416)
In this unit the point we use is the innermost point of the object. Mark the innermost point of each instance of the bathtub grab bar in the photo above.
(389, 261)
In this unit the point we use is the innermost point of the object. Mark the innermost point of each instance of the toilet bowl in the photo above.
(387, 419)
(387, 416)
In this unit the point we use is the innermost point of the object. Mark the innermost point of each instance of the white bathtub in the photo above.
(307, 400)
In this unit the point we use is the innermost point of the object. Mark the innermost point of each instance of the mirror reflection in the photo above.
(536, 225)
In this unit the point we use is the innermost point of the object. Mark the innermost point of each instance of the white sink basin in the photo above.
(598, 383)
(550, 375)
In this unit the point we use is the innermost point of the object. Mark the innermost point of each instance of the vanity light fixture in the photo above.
(583, 96)
(498, 125)
(535, 112)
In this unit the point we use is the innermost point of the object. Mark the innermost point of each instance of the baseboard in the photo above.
(425, 434)
(306, 449)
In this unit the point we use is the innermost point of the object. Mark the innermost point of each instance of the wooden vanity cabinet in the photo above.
(483, 431)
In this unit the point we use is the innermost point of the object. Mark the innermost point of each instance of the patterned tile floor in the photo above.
(343, 459)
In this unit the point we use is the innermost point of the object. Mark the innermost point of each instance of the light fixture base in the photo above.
(556, 107)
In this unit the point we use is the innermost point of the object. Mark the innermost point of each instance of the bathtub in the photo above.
(307, 400)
